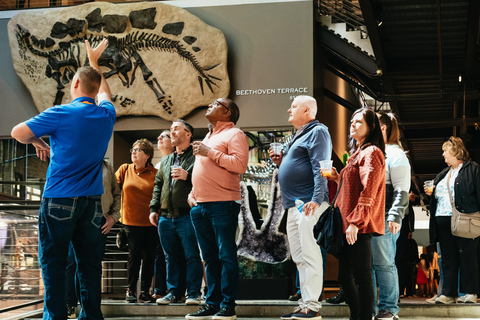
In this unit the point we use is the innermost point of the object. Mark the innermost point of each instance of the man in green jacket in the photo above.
(170, 212)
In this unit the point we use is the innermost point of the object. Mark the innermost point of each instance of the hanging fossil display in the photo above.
(160, 59)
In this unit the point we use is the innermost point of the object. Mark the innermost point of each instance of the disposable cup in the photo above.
(276, 147)
(429, 185)
(326, 166)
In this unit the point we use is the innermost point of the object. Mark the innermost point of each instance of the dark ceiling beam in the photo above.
(333, 96)
(357, 84)
(408, 125)
(451, 96)
(472, 36)
(439, 39)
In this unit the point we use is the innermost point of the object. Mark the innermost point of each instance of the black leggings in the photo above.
(355, 276)
(142, 244)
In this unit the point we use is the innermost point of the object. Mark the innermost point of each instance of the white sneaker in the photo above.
(432, 299)
(468, 298)
(444, 300)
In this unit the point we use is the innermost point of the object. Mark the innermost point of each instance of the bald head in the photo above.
(307, 102)
(302, 111)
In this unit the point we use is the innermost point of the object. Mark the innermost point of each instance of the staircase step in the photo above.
(411, 309)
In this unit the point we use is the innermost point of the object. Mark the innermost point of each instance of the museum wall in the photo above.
(270, 60)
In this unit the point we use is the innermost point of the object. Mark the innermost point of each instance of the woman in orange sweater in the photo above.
(136, 181)
(361, 201)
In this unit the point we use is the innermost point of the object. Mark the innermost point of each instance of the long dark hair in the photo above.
(374, 136)
(389, 120)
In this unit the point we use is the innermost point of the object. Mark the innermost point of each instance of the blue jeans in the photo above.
(215, 225)
(179, 245)
(78, 220)
(160, 272)
(384, 268)
(71, 280)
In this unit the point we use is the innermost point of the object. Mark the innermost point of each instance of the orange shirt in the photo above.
(137, 190)
(217, 176)
(361, 198)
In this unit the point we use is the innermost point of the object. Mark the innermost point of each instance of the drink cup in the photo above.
(276, 147)
(326, 166)
(429, 185)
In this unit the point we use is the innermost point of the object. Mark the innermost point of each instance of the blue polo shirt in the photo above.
(79, 135)
(299, 172)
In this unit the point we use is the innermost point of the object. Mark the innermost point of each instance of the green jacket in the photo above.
(170, 199)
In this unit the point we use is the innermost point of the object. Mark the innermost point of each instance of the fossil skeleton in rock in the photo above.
(122, 56)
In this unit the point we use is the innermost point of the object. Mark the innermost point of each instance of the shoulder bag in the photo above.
(329, 231)
(464, 225)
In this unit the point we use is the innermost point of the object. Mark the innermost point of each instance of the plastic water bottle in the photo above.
(299, 205)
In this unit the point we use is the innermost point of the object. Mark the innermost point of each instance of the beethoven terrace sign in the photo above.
(295, 91)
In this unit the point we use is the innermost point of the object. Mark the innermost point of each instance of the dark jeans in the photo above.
(459, 257)
(180, 245)
(215, 225)
(71, 280)
(160, 271)
(142, 243)
(355, 276)
(78, 220)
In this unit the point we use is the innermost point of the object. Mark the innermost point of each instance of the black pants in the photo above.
(406, 278)
(142, 243)
(355, 276)
(458, 254)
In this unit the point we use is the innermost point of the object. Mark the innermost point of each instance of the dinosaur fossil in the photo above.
(135, 45)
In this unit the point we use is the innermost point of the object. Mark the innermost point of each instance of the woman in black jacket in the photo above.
(459, 255)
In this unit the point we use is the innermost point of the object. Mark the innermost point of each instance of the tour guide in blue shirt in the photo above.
(71, 208)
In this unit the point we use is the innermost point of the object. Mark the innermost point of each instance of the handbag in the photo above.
(464, 225)
(122, 239)
(329, 231)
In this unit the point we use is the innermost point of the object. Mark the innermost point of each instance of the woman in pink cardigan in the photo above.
(361, 201)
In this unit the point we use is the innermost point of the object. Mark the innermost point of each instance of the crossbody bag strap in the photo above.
(341, 181)
(448, 187)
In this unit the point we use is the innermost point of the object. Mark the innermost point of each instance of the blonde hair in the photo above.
(457, 148)
(147, 147)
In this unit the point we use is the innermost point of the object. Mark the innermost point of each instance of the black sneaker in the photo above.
(71, 312)
(288, 316)
(339, 298)
(145, 298)
(204, 313)
(130, 296)
(307, 314)
(225, 314)
(295, 297)
(385, 315)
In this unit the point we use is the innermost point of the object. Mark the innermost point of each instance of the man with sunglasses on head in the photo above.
(215, 200)
(170, 212)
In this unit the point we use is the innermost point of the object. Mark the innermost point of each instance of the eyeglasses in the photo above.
(216, 103)
(136, 150)
(163, 136)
